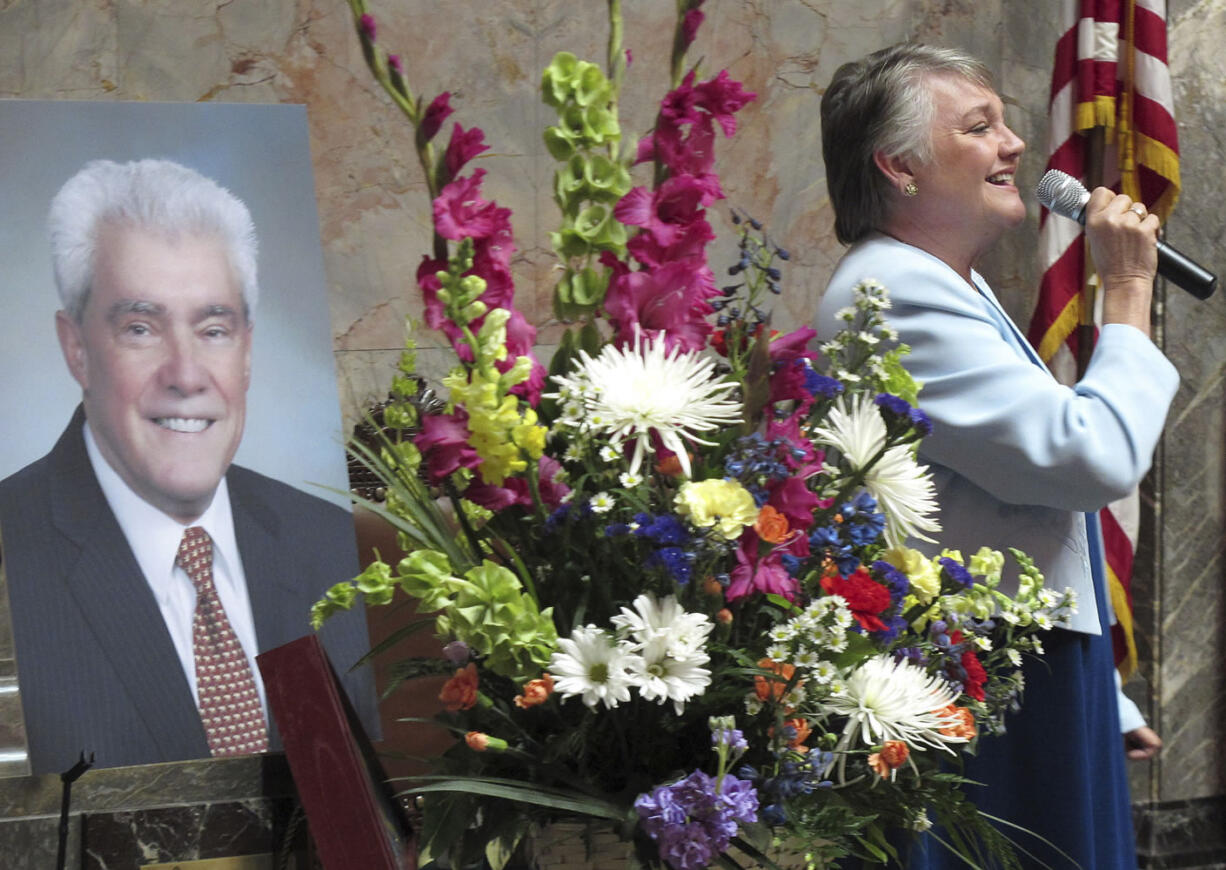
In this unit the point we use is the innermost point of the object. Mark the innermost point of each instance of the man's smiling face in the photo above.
(163, 357)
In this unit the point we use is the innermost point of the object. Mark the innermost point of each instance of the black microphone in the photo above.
(1067, 197)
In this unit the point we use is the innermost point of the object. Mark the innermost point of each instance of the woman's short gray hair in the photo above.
(881, 103)
(159, 196)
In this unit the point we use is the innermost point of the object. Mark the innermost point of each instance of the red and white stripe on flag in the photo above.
(1110, 71)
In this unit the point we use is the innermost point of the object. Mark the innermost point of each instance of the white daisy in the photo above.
(662, 677)
(629, 479)
(885, 700)
(634, 391)
(608, 453)
(686, 633)
(573, 452)
(782, 632)
(601, 503)
(806, 658)
(902, 487)
(778, 652)
(825, 671)
(594, 664)
(1015, 657)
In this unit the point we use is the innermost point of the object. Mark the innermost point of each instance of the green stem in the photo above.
(616, 64)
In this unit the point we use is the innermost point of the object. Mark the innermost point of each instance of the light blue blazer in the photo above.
(1017, 457)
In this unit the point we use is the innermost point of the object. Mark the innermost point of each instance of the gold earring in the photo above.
(910, 189)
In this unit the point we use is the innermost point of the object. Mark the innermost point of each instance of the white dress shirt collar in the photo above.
(154, 540)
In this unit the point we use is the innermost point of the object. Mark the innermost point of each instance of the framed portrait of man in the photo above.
(172, 476)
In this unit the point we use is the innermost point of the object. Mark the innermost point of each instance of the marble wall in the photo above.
(375, 228)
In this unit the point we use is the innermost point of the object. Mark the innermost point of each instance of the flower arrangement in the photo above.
(674, 570)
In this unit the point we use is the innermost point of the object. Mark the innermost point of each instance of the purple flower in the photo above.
(457, 653)
(692, 822)
(957, 572)
(733, 738)
(367, 25)
(921, 422)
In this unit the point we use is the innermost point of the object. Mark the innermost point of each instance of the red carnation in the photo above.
(976, 676)
(864, 596)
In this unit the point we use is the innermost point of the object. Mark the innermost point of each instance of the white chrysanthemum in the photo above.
(902, 487)
(685, 632)
(662, 677)
(601, 503)
(593, 664)
(885, 700)
(1015, 657)
(634, 391)
(779, 652)
(609, 453)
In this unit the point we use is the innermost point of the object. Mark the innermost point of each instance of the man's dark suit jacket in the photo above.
(97, 668)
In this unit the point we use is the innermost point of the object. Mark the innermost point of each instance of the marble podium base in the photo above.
(1181, 835)
(129, 817)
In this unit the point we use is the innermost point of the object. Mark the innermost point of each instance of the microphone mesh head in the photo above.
(1062, 194)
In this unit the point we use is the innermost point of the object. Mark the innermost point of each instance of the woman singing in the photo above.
(920, 167)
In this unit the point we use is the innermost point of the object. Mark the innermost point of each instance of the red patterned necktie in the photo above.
(229, 703)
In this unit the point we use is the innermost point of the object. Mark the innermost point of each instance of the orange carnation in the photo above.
(772, 688)
(961, 722)
(535, 692)
(893, 755)
(669, 465)
(478, 741)
(771, 525)
(460, 692)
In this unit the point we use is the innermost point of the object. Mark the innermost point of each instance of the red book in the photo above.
(353, 820)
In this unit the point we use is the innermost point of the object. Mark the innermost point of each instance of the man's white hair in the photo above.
(158, 196)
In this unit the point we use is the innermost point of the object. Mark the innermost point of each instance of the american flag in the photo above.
(1110, 73)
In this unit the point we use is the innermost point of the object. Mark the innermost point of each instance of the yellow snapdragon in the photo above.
(505, 438)
(923, 573)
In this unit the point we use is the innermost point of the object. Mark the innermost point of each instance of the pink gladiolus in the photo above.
(463, 147)
(689, 26)
(787, 383)
(793, 345)
(794, 500)
(436, 113)
(665, 300)
(367, 25)
(722, 97)
(443, 441)
(460, 212)
(393, 60)
(754, 573)
(789, 430)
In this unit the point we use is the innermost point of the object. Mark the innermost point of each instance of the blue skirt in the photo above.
(1059, 771)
